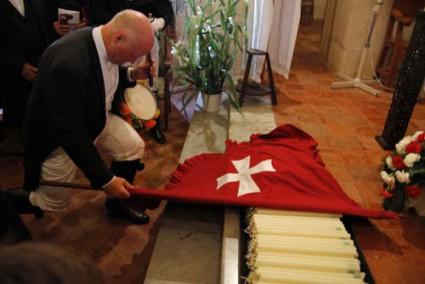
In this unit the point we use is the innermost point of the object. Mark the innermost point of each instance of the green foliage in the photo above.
(212, 40)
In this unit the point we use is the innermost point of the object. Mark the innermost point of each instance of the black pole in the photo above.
(409, 83)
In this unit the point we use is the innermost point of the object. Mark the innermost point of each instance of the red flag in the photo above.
(279, 170)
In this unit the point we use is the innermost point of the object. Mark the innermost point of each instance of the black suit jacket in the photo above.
(101, 11)
(17, 47)
(16, 40)
(67, 108)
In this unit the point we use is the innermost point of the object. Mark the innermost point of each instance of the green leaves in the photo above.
(212, 40)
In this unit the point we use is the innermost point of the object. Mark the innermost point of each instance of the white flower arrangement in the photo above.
(401, 146)
(404, 168)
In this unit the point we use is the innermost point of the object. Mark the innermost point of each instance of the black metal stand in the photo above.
(409, 83)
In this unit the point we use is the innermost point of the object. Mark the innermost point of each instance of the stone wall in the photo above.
(319, 9)
(349, 33)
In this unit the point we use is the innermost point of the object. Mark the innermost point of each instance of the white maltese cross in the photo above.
(246, 184)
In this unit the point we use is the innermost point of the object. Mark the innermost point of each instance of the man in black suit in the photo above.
(101, 11)
(25, 32)
(69, 119)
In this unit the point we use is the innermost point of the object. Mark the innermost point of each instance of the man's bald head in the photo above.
(127, 36)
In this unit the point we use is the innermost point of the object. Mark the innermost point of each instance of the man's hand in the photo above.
(140, 72)
(82, 24)
(29, 72)
(118, 188)
(62, 29)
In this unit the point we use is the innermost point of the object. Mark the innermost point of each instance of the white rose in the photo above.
(389, 162)
(401, 146)
(402, 177)
(388, 179)
(384, 175)
(417, 133)
(410, 159)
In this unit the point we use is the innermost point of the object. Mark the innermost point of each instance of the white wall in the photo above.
(349, 33)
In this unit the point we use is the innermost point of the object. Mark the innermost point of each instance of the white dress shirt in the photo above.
(19, 5)
(110, 71)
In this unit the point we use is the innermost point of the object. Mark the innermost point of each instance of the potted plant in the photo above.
(204, 57)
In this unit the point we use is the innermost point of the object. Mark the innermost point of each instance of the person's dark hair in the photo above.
(73, 5)
(33, 262)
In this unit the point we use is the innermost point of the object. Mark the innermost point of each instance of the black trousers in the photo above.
(15, 97)
(12, 229)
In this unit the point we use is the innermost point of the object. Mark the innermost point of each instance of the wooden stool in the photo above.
(257, 90)
(165, 72)
(163, 92)
(394, 50)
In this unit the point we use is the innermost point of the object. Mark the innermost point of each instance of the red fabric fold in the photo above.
(301, 182)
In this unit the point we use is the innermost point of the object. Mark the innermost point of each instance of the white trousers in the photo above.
(117, 140)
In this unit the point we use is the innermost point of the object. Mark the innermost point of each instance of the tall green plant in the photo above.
(211, 42)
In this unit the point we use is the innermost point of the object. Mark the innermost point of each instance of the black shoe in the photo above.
(120, 209)
(20, 200)
(157, 134)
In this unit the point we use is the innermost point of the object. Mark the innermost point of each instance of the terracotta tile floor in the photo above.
(344, 122)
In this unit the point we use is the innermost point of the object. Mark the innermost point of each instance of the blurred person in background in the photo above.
(33, 262)
(25, 32)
